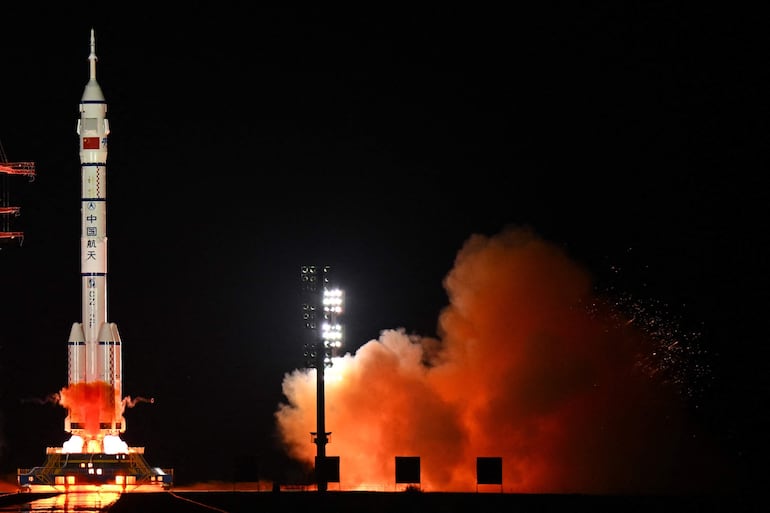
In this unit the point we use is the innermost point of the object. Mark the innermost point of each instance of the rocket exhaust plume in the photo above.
(529, 366)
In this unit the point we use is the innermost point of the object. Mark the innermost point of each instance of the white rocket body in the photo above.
(94, 350)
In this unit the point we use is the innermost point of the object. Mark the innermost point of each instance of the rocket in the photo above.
(93, 395)
(94, 455)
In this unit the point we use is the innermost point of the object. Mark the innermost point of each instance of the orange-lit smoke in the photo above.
(521, 371)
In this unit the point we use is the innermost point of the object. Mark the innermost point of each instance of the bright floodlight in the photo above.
(332, 335)
(333, 300)
(331, 330)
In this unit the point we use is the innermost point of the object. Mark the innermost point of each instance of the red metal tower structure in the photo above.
(8, 211)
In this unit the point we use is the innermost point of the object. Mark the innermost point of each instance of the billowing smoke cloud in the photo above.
(530, 366)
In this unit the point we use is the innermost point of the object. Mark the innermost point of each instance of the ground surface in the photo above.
(404, 502)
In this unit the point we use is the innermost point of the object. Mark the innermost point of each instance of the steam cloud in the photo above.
(530, 366)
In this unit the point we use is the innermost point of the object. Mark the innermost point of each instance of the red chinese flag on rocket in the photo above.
(90, 143)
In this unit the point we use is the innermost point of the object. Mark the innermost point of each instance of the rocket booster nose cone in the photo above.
(109, 332)
(76, 333)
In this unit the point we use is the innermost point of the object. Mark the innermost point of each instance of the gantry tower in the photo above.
(8, 211)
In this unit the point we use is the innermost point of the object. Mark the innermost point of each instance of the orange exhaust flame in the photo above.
(90, 402)
(521, 371)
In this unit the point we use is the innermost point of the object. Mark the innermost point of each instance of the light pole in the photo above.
(320, 308)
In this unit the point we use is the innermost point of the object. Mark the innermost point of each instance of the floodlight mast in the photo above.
(320, 308)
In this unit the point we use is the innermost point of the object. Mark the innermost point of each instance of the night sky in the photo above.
(245, 143)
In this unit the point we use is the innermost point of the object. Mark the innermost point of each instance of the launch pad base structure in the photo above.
(76, 472)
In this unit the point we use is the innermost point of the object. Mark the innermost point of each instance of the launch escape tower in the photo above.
(7, 211)
(320, 308)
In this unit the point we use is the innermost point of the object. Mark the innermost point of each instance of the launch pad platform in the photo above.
(70, 472)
